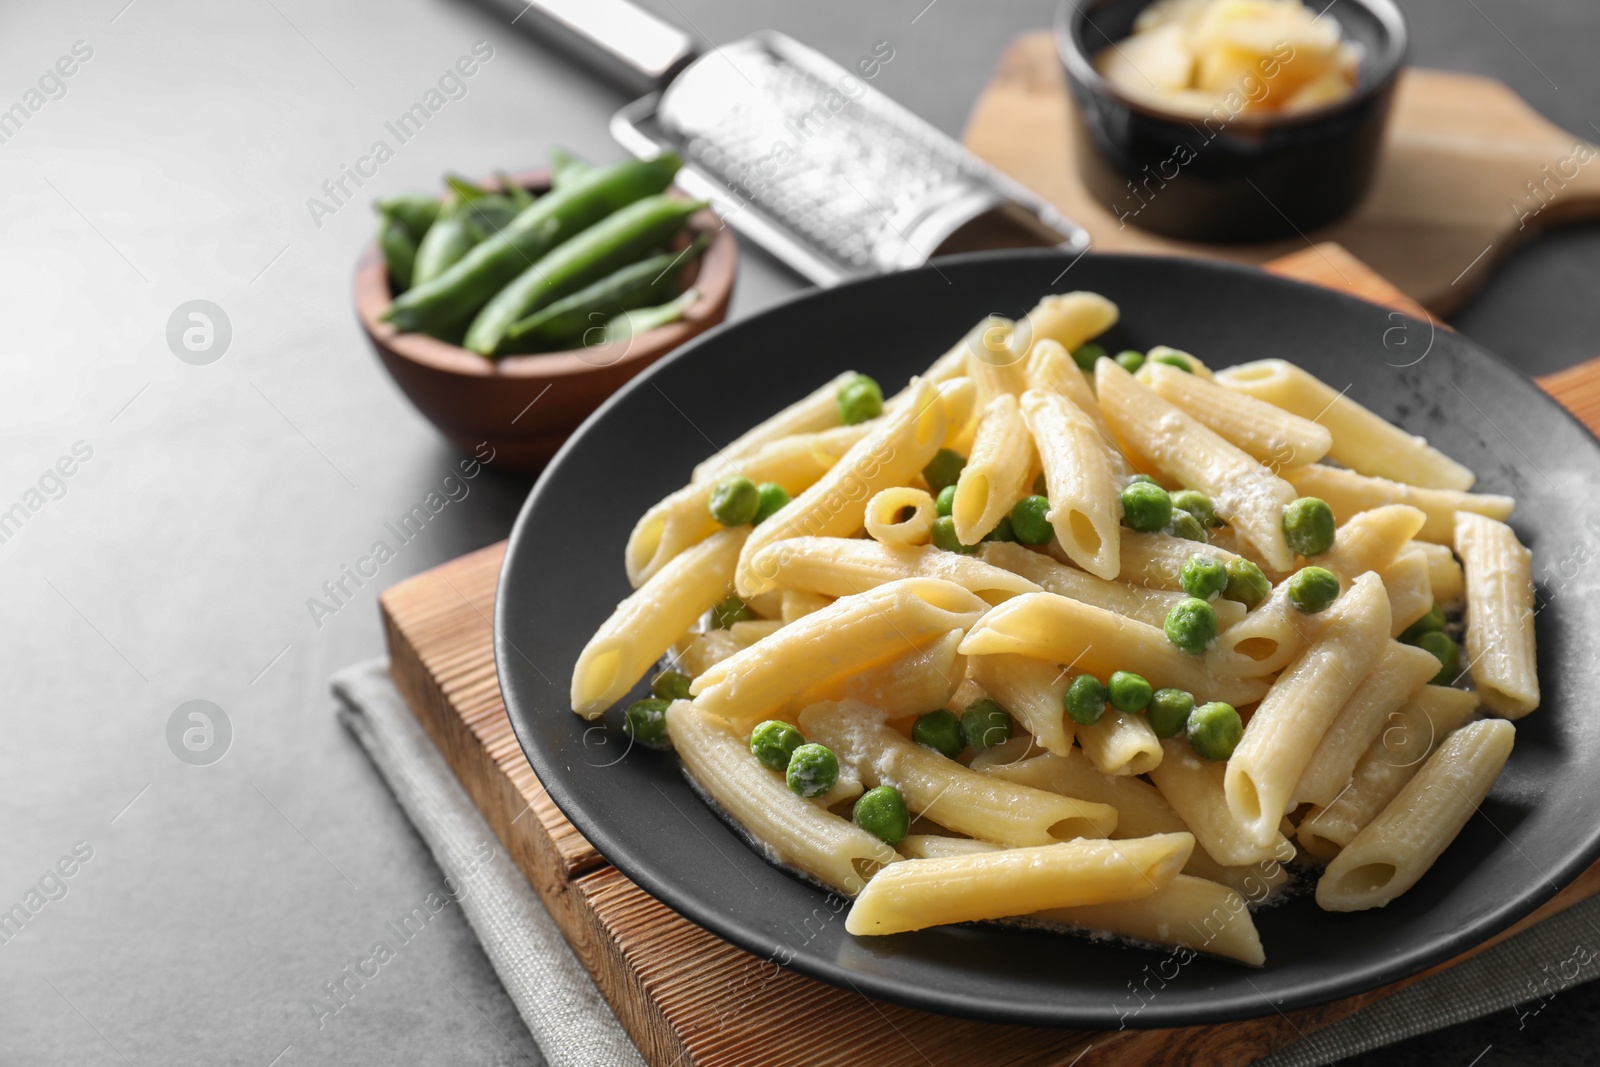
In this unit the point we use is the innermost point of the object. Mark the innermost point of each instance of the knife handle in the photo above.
(623, 42)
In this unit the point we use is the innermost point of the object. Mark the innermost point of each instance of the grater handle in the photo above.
(623, 42)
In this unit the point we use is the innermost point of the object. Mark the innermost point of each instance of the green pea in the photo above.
(1311, 589)
(1246, 583)
(944, 536)
(1214, 730)
(1003, 530)
(1040, 486)
(1203, 577)
(1129, 360)
(773, 742)
(813, 769)
(735, 500)
(1145, 506)
(1129, 692)
(1085, 700)
(882, 813)
(1186, 526)
(730, 611)
(941, 731)
(945, 502)
(985, 724)
(860, 399)
(1085, 356)
(1168, 712)
(1028, 520)
(1197, 504)
(1171, 357)
(1191, 625)
(1445, 651)
(771, 496)
(1308, 526)
(646, 722)
(1429, 623)
(944, 469)
(670, 685)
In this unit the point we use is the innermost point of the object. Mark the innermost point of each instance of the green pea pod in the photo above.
(445, 243)
(417, 211)
(513, 190)
(564, 167)
(630, 324)
(451, 299)
(488, 215)
(610, 243)
(637, 285)
(399, 251)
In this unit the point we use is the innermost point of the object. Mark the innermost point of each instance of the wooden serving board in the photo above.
(1447, 205)
(689, 999)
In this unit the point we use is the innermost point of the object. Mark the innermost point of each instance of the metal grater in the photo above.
(861, 186)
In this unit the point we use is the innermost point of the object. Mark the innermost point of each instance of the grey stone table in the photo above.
(183, 912)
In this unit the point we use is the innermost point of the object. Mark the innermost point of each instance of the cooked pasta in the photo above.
(1350, 493)
(1272, 435)
(996, 474)
(887, 523)
(1084, 511)
(1500, 641)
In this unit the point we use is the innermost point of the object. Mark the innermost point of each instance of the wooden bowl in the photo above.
(525, 406)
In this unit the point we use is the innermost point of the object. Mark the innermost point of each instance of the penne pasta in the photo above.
(1398, 847)
(1120, 744)
(817, 411)
(1270, 434)
(1031, 690)
(835, 505)
(937, 846)
(1068, 319)
(849, 636)
(1501, 649)
(1362, 441)
(841, 566)
(1091, 640)
(1249, 496)
(886, 522)
(1349, 494)
(798, 603)
(1194, 788)
(1408, 735)
(942, 790)
(794, 832)
(645, 625)
(908, 684)
(1155, 560)
(1188, 912)
(1085, 511)
(1405, 581)
(994, 368)
(1051, 369)
(915, 894)
(996, 474)
(697, 652)
(1291, 719)
(1445, 576)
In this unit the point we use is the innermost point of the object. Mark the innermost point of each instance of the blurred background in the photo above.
(208, 503)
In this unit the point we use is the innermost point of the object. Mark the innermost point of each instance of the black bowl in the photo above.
(1220, 178)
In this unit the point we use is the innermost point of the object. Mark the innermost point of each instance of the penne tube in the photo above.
(1068, 319)
(841, 566)
(835, 505)
(942, 790)
(1085, 509)
(991, 364)
(1193, 787)
(1362, 441)
(886, 522)
(1398, 847)
(1141, 811)
(1501, 651)
(1400, 671)
(937, 846)
(1155, 560)
(795, 832)
(850, 636)
(684, 518)
(1051, 370)
(1445, 577)
(749, 631)
(1408, 735)
(908, 684)
(916, 894)
(1031, 690)
(996, 474)
(960, 399)
(1270, 434)
(645, 625)
(1120, 744)
(1290, 721)
(1188, 912)
(798, 603)
(1136, 602)
(1405, 581)
(1349, 494)
(695, 653)
(1093, 640)
(817, 411)
(1249, 496)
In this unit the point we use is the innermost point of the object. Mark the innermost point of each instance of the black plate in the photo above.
(563, 573)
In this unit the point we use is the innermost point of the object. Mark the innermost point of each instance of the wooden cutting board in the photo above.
(689, 999)
(1463, 181)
